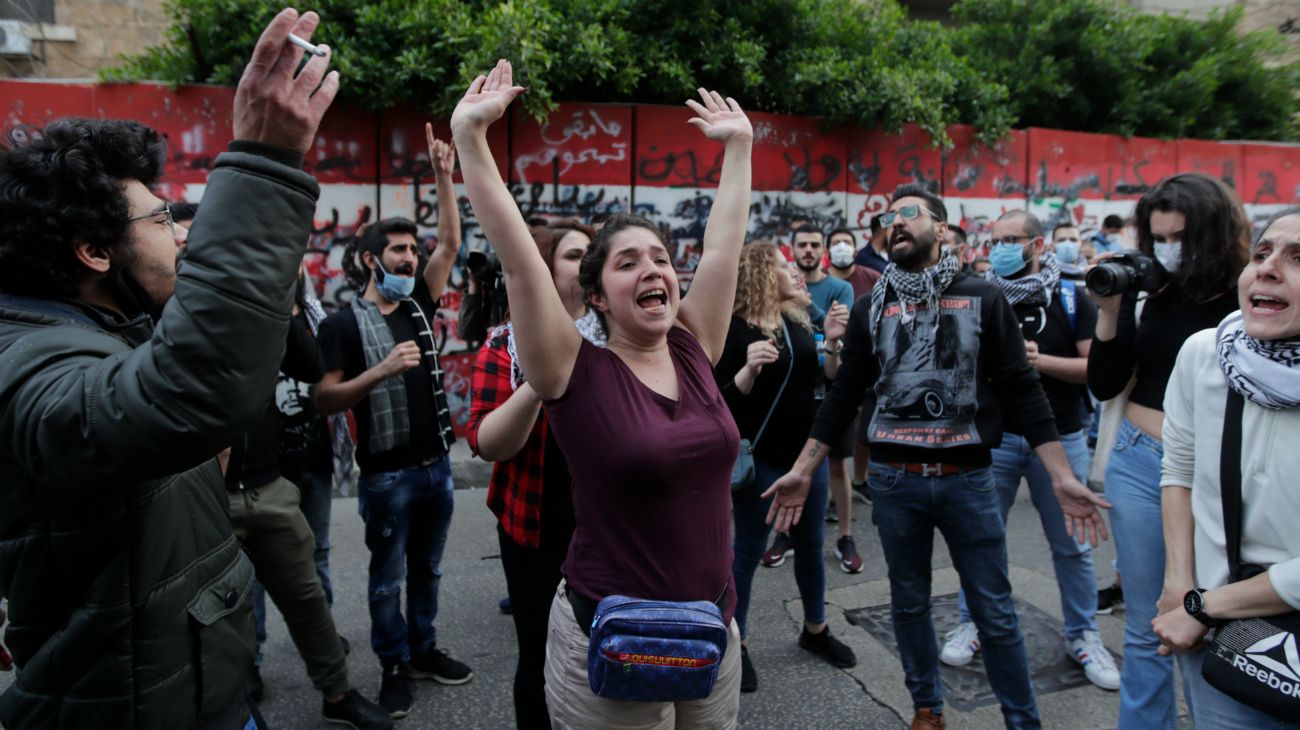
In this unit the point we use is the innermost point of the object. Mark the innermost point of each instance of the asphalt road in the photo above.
(796, 689)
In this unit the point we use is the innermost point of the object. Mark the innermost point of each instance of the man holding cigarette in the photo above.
(128, 590)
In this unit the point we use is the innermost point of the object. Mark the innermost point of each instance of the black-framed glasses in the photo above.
(1013, 240)
(908, 212)
(166, 213)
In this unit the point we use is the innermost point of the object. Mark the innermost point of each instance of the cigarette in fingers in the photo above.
(304, 45)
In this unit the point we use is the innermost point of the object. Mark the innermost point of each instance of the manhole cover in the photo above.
(967, 688)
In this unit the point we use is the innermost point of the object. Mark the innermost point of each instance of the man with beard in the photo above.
(931, 430)
(1057, 321)
(382, 362)
(119, 384)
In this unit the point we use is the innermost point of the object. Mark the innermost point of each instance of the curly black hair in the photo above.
(65, 186)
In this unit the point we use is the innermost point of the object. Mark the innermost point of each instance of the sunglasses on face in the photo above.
(907, 212)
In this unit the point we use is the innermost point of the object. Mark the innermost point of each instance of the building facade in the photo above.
(74, 39)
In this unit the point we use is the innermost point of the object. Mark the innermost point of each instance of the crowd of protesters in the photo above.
(176, 406)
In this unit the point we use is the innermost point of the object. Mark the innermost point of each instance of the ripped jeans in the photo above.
(407, 515)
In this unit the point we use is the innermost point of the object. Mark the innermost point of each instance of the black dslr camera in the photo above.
(485, 267)
(1131, 271)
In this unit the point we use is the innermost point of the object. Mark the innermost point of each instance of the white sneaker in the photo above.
(961, 645)
(1098, 664)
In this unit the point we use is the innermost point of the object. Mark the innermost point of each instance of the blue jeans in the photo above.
(1213, 709)
(750, 512)
(1072, 560)
(407, 515)
(1146, 693)
(316, 496)
(906, 509)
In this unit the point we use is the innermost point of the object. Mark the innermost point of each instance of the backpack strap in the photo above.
(1070, 301)
(1230, 479)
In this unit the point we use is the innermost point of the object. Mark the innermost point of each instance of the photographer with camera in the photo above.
(1192, 242)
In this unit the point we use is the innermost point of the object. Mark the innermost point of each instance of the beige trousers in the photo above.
(573, 706)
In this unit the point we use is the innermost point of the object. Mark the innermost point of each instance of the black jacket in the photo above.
(128, 593)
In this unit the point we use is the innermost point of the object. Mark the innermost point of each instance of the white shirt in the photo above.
(1270, 471)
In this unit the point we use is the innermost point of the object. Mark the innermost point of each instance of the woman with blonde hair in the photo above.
(768, 374)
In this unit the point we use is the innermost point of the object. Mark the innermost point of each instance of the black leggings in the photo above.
(532, 575)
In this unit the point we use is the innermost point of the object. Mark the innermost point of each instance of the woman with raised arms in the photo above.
(648, 438)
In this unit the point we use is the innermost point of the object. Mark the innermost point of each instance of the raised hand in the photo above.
(403, 357)
(487, 99)
(758, 354)
(837, 322)
(274, 107)
(442, 155)
(720, 119)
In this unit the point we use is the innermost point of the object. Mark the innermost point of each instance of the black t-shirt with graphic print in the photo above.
(937, 394)
(340, 343)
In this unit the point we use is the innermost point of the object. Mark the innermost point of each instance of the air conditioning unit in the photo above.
(13, 39)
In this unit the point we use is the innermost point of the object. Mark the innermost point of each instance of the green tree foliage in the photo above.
(1101, 66)
(1073, 64)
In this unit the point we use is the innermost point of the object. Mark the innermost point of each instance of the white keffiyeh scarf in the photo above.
(1265, 372)
(1035, 288)
(913, 288)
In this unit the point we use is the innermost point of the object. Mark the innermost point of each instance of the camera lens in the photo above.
(1109, 278)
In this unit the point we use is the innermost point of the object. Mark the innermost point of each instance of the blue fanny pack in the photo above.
(655, 651)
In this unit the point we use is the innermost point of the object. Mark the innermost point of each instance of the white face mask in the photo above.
(842, 254)
(1170, 255)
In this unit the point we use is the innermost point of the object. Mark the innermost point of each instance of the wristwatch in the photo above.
(839, 346)
(1194, 604)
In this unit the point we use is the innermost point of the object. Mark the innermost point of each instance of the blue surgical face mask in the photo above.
(392, 287)
(1067, 252)
(1007, 259)
(1170, 255)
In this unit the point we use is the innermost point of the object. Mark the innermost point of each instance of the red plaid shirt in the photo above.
(515, 492)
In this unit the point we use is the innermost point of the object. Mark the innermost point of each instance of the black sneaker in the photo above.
(827, 647)
(832, 513)
(440, 667)
(1110, 599)
(862, 491)
(256, 688)
(395, 691)
(748, 677)
(358, 712)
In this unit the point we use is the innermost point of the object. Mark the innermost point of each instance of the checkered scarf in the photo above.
(588, 325)
(913, 289)
(1032, 289)
(389, 419)
(1265, 372)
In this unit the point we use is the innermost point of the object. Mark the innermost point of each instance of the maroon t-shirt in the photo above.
(651, 478)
